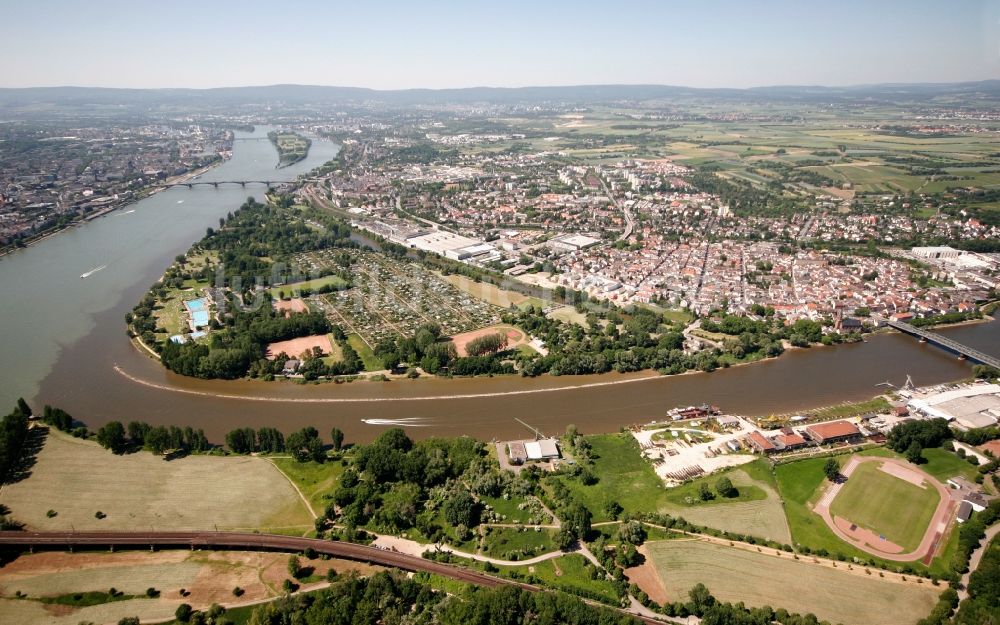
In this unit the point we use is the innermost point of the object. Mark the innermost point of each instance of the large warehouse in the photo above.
(973, 406)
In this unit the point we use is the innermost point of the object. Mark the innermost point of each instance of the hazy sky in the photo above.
(388, 45)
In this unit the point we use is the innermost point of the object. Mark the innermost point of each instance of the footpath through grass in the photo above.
(572, 573)
(314, 479)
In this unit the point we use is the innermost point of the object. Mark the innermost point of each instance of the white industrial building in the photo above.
(973, 406)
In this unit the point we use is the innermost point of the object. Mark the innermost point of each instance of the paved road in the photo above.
(242, 540)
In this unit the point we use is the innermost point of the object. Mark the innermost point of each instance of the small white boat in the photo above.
(414, 422)
(92, 271)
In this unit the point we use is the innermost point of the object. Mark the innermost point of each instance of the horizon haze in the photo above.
(451, 45)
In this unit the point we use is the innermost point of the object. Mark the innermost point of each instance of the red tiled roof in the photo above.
(791, 440)
(761, 441)
(833, 429)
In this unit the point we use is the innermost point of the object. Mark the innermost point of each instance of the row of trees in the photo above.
(13, 433)
(158, 439)
(304, 444)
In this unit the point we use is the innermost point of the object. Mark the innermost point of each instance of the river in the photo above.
(66, 346)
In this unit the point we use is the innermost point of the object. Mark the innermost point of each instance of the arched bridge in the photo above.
(217, 183)
(944, 342)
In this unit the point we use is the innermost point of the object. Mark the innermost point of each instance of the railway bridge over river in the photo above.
(242, 183)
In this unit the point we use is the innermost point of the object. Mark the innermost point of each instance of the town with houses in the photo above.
(638, 232)
(55, 177)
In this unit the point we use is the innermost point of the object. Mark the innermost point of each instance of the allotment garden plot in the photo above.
(393, 298)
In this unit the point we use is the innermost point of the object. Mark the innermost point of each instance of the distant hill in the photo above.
(584, 94)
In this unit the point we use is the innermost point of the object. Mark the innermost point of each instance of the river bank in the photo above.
(79, 220)
(77, 368)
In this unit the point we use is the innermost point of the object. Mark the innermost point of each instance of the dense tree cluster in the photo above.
(487, 344)
(983, 604)
(395, 483)
(242, 342)
(57, 418)
(924, 432)
(257, 238)
(392, 598)
(265, 440)
(641, 339)
(437, 355)
(157, 439)
(13, 432)
(305, 444)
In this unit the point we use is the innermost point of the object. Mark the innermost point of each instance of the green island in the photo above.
(292, 147)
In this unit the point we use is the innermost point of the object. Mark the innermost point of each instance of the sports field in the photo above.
(833, 594)
(295, 348)
(515, 337)
(887, 504)
(77, 478)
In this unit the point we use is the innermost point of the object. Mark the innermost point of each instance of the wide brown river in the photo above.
(65, 345)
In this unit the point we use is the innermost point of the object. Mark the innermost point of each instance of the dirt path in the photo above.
(935, 529)
(977, 556)
(301, 495)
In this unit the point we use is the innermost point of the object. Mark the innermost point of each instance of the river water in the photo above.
(65, 345)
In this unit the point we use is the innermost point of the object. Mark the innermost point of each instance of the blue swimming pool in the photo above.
(199, 311)
(197, 304)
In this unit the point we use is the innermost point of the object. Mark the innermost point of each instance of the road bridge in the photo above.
(964, 351)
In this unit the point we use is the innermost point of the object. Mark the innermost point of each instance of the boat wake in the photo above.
(413, 422)
(91, 272)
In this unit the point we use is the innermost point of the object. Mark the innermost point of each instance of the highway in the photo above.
(261, 542)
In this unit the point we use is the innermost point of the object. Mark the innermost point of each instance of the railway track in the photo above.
(260, 542)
